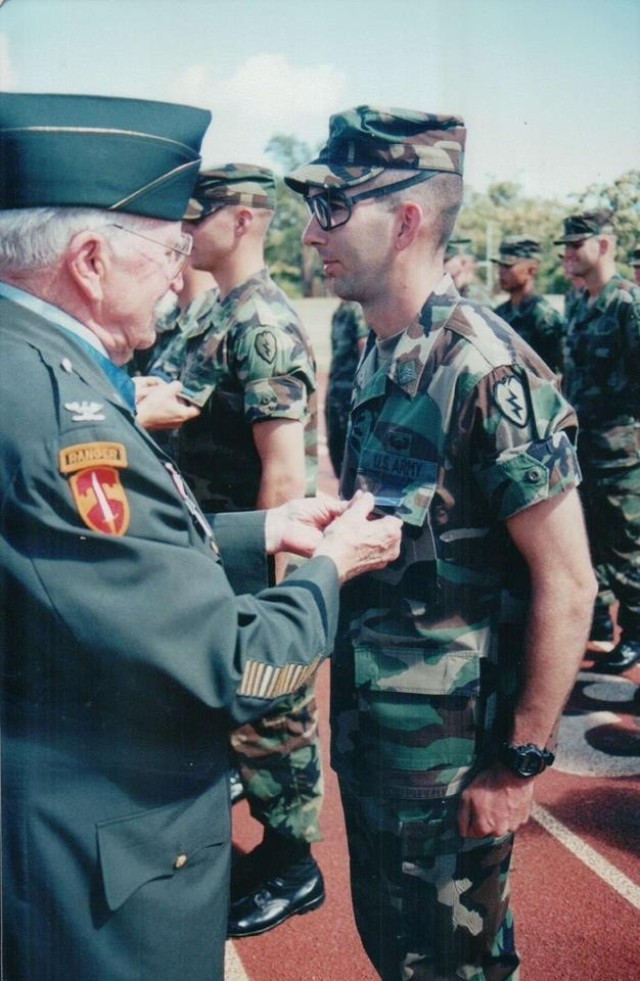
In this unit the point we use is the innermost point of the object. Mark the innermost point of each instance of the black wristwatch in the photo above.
(526, 761)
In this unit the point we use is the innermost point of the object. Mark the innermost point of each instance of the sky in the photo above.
(549, 89)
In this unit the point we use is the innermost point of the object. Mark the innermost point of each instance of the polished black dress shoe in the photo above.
(623, 656)
(298, 890)
(236, 787)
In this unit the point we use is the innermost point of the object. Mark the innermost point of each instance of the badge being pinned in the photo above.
(511, 399)
(96, 486)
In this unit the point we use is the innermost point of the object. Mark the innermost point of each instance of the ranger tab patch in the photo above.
(511, 399)
(96, 486)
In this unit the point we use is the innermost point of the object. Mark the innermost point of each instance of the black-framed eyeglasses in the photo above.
(333, 207)
(178, 253)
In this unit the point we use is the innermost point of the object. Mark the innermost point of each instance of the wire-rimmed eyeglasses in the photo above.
(177, 254)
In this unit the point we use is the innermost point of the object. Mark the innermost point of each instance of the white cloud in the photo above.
(264, 96)
(7, 75)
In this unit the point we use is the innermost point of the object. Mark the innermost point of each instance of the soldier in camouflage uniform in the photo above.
(460, 429)
(602, 381)
(250, 370)
(530, 315)
(348, 336)
(460, 263)
(634, 261)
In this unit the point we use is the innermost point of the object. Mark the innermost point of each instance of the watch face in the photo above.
(529, 762)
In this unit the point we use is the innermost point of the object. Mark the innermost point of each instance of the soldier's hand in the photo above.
(297, 526)
(160, 406)
(358, 544)
(496, 803)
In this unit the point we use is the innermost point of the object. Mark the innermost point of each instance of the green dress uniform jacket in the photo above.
(126, 659)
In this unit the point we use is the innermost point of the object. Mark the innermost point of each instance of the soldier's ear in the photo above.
(409, 217)
(243, 220)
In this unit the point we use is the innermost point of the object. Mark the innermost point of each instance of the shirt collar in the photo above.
(53, 314)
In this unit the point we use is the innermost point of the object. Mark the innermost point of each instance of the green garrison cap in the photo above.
(458, 246)
(365, 141)
(578, 227)
(515, 247)
(88, 151)
(235, 183)
(634, 259)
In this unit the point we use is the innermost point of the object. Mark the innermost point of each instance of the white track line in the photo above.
(233, 969)
(602, 868)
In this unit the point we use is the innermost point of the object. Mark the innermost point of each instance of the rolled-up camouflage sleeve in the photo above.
(522, 440)
(276, 373)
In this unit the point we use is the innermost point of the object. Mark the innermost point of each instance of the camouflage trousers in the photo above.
(280, 765)
(429, 905)
(611, 501)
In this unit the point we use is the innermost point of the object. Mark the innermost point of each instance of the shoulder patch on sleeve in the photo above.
(82, 455)
(95, 484)
(266, 345)
(510, 397)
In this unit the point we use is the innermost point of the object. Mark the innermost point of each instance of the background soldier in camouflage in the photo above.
(530, 315)
(251, 373)
(460, 263)
(160, 407)
(602, 381)
(634, 261)
(348, 337)
(458, 428)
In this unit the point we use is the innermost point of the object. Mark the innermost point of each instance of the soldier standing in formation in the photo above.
(634, 261)
(530, 315)
(460, 429)
(349, 333)
(250, 371)
(602, 382)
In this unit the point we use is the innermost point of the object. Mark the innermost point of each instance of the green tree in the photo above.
(297, 269)
(486, 217)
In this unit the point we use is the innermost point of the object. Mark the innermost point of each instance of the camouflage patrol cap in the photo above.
(634, 259)
(366, 141)
(579, 227)
(458, 246)
(515, 247)
(235, 183)
(87, 151)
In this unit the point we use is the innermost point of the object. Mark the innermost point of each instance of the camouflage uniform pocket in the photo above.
(419, 711)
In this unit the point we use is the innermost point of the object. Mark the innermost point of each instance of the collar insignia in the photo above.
(85, 411)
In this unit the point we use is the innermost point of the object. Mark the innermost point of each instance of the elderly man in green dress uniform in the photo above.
(126, 654)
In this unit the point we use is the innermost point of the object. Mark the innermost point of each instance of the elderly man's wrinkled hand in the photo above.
(298, 525)
(159, 406)
(358, 542)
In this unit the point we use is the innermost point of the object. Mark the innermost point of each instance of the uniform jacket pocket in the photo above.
(159, 843)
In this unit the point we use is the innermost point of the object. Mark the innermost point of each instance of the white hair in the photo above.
(35, 238)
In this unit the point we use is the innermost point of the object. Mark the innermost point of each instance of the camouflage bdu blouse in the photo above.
(253, 362)
(462, 428)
